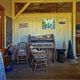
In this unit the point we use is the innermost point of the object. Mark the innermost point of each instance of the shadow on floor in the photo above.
(55, 71)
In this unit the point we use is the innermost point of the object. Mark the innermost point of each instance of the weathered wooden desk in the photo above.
(46, 47)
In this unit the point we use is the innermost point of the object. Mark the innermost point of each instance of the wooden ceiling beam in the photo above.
(24, 7)
(42, 1)
(58, 1)
(31, 1)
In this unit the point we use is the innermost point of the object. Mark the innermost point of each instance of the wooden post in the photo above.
(13, 26)
(74, 27)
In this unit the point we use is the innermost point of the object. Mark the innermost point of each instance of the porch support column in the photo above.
(74, 27)
(13, 27)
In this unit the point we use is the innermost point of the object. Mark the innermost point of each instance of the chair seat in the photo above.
(39, 55)
(22, 50)
(21, 53)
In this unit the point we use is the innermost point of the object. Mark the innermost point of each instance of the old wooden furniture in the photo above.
(21, 52)
(44, 43)
(39, 59)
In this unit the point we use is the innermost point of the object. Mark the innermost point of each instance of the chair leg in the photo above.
(26, 60)
(35, 66)
(17, 59)
(46, 65)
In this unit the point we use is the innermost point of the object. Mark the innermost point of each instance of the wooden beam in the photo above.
(74, 27)
(31, 1)
(13, 25)
(42, 1)
(58, 1)
(24, 7)
(13, 10)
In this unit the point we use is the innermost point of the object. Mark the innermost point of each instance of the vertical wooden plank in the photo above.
(13, 27)
(74, 27)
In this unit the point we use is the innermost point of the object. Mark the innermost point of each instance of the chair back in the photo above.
(22, 45)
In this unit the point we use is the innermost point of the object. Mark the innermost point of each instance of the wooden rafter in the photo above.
(24, 7)
(43, 1)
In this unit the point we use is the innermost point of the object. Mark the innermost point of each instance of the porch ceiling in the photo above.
(61, 7)
(44, 7)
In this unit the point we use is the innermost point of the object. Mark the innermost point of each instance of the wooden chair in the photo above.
(39, 59)
(22, 52)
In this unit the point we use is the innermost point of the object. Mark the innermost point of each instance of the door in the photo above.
(78, 45)
(2, 29)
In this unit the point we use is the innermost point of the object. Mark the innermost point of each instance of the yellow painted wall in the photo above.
(62, 32)
(7, 4)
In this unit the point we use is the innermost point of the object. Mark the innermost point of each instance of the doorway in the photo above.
(2, 29)
(78, 28)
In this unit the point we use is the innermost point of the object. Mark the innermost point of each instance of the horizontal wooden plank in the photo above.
(42, 1)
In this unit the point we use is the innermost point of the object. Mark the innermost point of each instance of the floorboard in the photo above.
(55, 71)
